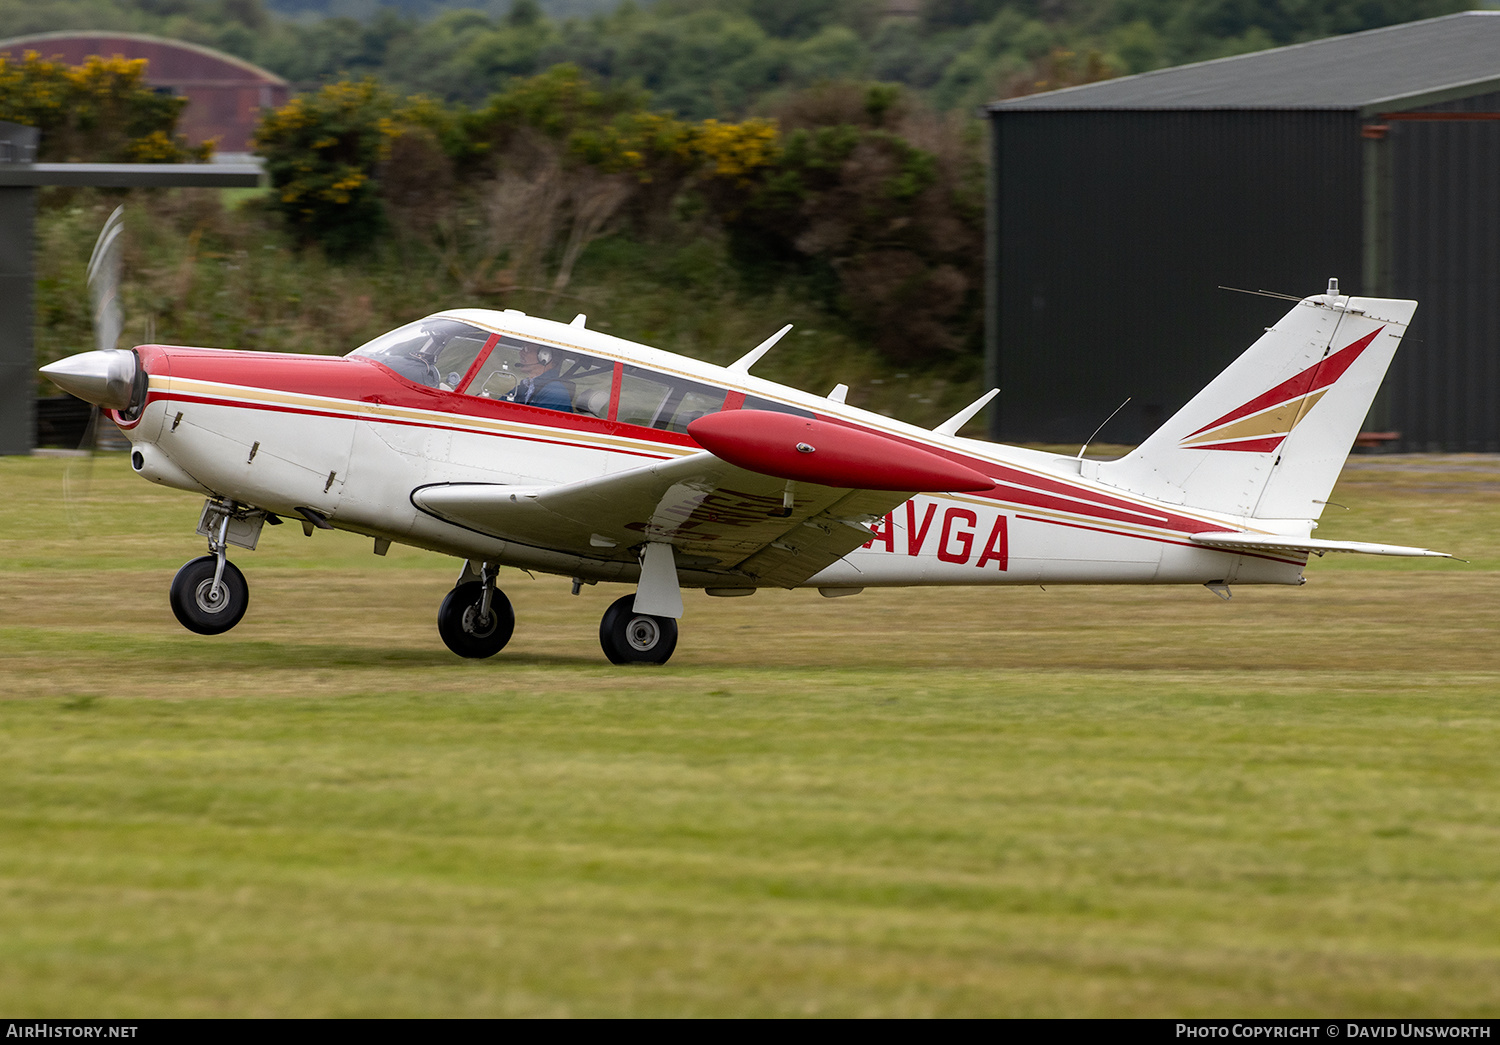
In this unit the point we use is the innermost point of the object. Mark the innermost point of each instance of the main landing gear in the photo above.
(476, 619)
(629, 637)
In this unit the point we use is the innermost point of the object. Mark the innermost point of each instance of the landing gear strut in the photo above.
(476, 619)
(629, 637)
(209, 594)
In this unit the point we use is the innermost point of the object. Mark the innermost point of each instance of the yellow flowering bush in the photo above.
(101, 111)
(321, 150)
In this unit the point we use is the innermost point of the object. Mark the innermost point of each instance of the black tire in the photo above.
(629, 637)
(461, 629)
(192, 604)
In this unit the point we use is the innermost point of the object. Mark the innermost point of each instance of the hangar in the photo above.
(225, 94)
(1117, 209)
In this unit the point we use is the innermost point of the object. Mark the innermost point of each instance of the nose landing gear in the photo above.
(209, 594)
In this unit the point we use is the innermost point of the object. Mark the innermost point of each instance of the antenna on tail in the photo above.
(1107, 420)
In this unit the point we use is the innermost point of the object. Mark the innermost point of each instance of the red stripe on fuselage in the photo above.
(281, 408)
(359, 380)
(1016, 486)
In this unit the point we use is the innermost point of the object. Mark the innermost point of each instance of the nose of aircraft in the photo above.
(105, 377)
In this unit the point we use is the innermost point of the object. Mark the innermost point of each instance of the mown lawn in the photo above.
(1007, 802)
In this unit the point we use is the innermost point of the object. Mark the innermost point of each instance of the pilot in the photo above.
(543, 384)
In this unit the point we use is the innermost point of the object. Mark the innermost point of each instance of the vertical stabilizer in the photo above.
(1268, 437)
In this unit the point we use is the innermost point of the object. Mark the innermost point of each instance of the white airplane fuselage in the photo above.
(351, 440)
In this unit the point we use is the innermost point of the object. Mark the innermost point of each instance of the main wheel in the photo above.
(195, 604)
(465, 632)
(629, 637)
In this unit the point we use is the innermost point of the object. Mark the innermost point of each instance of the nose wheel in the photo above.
(629, 637)
(476, 620)
(206, 603)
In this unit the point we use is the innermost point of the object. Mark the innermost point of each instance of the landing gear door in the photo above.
(243, 530)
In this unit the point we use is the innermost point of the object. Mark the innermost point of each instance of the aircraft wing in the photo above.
(1231, 541)
(718, 517)
(776, 499)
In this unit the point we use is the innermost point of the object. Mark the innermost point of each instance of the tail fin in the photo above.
(1268, 437)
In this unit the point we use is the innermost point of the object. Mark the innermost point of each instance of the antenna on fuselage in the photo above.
(750, 358)
(1107, 420)
(958, 420)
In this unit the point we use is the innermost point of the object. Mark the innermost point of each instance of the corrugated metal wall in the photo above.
(1444, 388)
(1113, 230)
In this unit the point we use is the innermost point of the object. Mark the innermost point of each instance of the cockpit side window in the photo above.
(432, 352)
(548, 376)
(658, 400)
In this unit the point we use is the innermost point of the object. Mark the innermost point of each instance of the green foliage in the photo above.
(502, 142)
(512, 193)
(889, 229)
(321, 150)
(721, 59)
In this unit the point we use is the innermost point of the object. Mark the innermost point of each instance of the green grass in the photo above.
(1104, 801)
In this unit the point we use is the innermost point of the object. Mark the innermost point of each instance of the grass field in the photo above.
(1005, 802)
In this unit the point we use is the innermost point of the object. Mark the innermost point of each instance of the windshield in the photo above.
(432, 352)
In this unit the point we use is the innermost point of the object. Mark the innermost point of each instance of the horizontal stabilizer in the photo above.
(1274, 542)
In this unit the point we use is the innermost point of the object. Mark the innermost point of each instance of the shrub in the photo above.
(321, 151)
(101, 111)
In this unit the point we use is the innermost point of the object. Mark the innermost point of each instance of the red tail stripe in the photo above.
(1320, 375)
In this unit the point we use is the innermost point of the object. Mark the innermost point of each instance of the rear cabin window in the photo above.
(432, 352)
(657, 400)
(519, 371)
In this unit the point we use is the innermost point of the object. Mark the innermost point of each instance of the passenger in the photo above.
(543, 384)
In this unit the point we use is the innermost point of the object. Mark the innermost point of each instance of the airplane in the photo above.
(505, 439)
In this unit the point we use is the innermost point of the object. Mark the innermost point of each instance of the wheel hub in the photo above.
(478, 626)
(642, 633)
(210, 601)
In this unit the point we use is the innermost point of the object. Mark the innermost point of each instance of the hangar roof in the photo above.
(170, 59)
(1399, 67)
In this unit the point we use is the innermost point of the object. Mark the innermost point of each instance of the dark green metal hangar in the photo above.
(1118, 208)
